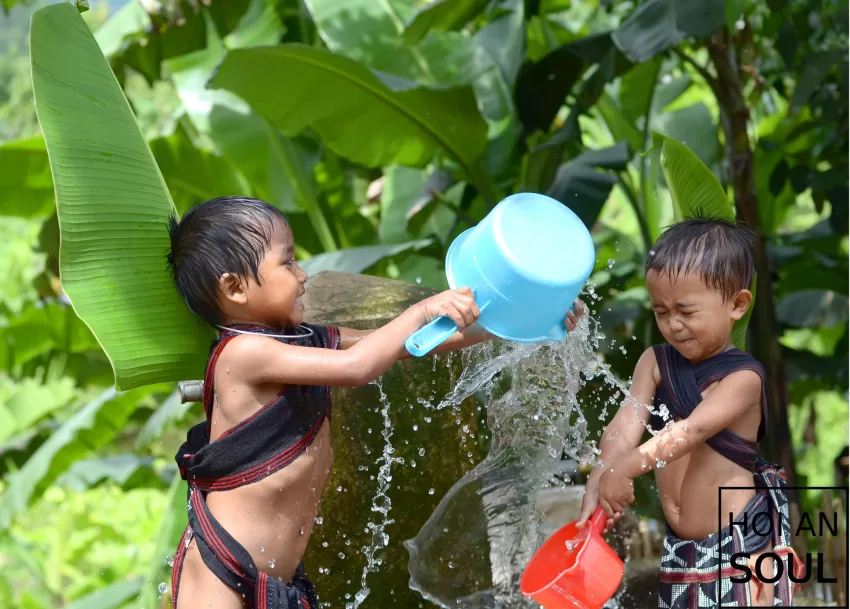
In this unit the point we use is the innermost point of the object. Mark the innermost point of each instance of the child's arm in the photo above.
(624, 432)
(473, 335)
(731, 399)
(259, 360)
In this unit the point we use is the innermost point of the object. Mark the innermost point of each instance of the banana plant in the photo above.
(113, 205)
(113, 201)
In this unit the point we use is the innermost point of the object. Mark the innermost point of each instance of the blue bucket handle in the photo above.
(434, 334)
(430, 336)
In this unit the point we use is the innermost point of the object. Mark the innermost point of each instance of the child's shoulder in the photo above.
(647, 366)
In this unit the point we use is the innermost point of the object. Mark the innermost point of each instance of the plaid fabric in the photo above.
(690, 569)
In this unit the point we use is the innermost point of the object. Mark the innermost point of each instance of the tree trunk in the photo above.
(728, 89)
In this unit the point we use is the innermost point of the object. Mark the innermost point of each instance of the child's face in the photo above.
(693, 318)
(276, 300)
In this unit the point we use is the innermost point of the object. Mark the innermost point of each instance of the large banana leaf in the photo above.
(113, 205)
(370, 33)
(357, 114)
(693, 189)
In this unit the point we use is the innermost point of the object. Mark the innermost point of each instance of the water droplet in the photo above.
(416, 428)
(421, 452)
(262, 549)
(169, 561)
(430, 491)
(163, 587)
(271, 564)
(318, 520)
(301, 532)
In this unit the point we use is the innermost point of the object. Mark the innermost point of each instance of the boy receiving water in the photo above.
(698, 275)
(258, 465)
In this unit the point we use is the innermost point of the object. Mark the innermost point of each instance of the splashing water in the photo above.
(380, 503)
(534, 414)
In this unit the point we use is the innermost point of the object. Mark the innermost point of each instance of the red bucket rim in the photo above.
(553, 541)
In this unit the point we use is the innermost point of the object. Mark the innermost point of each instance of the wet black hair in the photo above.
(722, 252)
(222, 235)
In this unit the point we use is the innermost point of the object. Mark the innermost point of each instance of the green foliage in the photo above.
(94, 425)
(370, 120)
(442, 15)
(696, 191)
(78, 100)
(25, 183)
(383, 130)
(78, 549)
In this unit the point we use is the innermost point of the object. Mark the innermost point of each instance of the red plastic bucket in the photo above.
(582, 574)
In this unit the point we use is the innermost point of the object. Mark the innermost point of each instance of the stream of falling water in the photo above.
(381, 503)
(472, 550)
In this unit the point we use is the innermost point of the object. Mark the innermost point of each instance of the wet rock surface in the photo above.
(433, 449)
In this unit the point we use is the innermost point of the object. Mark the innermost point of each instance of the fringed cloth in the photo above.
(261, 445)
(696, 574)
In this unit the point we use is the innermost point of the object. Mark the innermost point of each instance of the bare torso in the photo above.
(689, 487)
(271, 518)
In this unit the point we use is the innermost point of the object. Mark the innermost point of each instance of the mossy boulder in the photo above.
(432, 449)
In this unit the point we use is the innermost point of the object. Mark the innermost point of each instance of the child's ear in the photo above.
(740, 303)
(232, 289)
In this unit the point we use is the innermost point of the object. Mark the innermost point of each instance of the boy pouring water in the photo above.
(258, 465)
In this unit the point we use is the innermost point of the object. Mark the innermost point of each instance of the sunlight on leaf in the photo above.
(353, 110)
(113, 206)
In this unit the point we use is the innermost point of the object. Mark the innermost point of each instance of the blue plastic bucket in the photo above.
(526, 263)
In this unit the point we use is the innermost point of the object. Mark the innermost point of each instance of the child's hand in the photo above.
(616, 491)
(571, 321)
(588, 505)
(458, 304)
